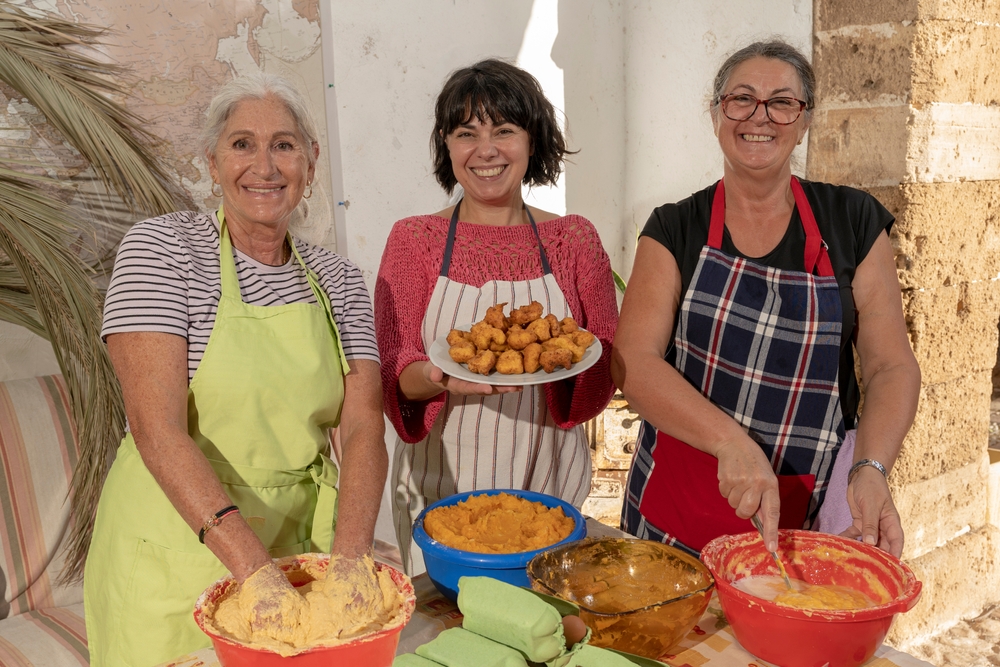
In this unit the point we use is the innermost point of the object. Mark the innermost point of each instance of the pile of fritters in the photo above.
(522, 342)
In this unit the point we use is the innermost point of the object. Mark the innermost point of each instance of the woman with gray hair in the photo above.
(737, 336)
(237, 347)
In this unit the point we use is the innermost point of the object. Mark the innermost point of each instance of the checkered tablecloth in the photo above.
(710, 644)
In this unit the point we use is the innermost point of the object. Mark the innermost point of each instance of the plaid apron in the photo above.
(763, 344)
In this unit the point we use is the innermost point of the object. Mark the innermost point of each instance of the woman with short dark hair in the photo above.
(737, 336)
(494, 131)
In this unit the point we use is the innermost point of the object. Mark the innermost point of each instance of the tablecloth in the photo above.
(710, 644)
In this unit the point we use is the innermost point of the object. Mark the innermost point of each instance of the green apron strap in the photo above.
(324, 473)
(323, 301)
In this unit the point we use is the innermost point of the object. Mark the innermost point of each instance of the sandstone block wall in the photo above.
(909, 109)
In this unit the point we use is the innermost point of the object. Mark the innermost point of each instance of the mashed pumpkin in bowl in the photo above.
(498, 524)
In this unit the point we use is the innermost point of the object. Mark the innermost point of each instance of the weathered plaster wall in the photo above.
(909, 111)
(175, 56)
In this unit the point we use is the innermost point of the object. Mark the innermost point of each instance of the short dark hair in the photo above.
(503, 93)
(777, 50)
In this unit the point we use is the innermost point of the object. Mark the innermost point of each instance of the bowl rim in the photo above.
(611, 538)
(904, 601)
(228, 581)
(516, 560)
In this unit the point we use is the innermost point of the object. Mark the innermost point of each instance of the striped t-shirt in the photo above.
(166, 279)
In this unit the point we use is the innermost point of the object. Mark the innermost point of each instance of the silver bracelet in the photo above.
(865, 462)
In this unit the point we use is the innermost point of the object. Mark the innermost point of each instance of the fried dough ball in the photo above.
(477, 327)
(551, 359)
(531, 354)
(583, 338)
(569, 325)
(518, 338)
(526, 314)
(455, 336)
(486, 336)
(541, 329)
(483, 362)
(462, 351)
(495, 317)
(499, 347)
(555, 328)
(510, 363)
(565, 343)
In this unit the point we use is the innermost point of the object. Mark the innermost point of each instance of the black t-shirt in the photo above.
(849, 221)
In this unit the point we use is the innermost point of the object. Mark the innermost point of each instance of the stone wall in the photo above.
(908, 109)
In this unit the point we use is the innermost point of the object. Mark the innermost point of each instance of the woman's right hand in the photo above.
(422, 380)
(748, 482)
(271, 603)
(439, 378)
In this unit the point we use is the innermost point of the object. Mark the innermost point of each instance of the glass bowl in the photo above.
(637, 596)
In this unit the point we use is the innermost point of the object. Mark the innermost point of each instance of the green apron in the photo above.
(268, 388)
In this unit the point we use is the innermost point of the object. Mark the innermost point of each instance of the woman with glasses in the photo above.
(737, 336)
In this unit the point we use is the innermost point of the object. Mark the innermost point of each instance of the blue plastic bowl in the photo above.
(445, 565)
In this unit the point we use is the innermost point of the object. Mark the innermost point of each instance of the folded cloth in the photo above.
(458, 647)
(413, 660)
(592, 656)
(511, 616)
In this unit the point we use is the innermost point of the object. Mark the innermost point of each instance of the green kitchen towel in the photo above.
(592, 656)
(413, 660)
(458, 647)
(511, 616)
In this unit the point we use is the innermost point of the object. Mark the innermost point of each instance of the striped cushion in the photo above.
(38, 450)
(45, 638)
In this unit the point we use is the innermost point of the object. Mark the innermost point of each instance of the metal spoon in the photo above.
(755, 520)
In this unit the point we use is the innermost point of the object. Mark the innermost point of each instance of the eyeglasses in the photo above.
(781, 110)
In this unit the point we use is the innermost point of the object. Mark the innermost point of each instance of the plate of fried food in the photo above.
(520, 349)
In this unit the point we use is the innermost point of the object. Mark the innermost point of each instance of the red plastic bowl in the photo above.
(377, 649)
(790, 637)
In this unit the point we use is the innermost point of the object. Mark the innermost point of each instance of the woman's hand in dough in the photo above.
(747, 481)
(271, 603)
(876, 520)
(439, 378)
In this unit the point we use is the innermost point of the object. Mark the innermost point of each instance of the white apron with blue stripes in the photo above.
(506, 441)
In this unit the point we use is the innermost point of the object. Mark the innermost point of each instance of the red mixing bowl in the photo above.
(377, 649)
(790, 637)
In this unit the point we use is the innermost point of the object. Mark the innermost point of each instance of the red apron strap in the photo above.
(718, 222)
(816, 255)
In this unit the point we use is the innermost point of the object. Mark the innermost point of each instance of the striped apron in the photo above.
(505, 441)
(762, 344)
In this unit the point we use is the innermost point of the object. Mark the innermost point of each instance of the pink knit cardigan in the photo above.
(410, 267)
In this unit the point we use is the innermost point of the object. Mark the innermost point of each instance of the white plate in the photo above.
(439, 357)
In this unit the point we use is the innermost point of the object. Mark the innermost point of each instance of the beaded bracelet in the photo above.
(862, 463)
(215, 520)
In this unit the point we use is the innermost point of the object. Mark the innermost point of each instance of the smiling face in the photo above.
(757, 145)
(489, 161)
(262, 162)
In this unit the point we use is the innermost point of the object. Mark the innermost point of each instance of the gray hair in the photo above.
(778, 50)
(257, 86)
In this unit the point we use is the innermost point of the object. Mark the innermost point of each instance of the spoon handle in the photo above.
(755, 520)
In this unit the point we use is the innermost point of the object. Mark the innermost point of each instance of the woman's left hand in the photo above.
(876, 520)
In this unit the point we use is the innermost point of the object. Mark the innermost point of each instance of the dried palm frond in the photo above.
(45, 285)
(35, 235)
(76, 94)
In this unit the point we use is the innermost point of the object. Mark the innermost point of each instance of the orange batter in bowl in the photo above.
(498, 524)
(804, 595)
